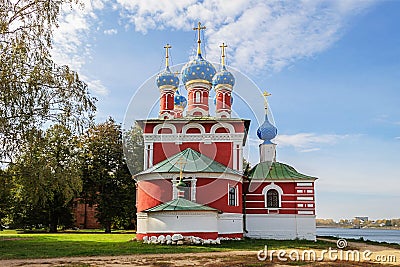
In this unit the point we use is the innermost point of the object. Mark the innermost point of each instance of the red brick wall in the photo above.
(80, 213)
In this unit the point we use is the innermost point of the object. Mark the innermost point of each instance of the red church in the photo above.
(193, 181)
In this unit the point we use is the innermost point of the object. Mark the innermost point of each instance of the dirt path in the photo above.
(231, 258)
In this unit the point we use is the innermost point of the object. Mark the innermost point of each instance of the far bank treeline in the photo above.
(51, 153)
(59, 169)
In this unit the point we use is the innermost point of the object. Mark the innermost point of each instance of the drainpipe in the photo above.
(244, 192)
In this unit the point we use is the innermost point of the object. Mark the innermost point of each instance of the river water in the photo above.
(380, 235)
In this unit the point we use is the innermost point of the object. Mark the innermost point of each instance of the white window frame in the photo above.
(280, 193)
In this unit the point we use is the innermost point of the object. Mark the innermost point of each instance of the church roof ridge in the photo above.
(194, 162)
(276, 171)
(180, 204)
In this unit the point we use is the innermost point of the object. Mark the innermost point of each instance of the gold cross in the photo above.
(198, 29)
(180, 162)
(223, 46)
(266, 95)
(167, 47)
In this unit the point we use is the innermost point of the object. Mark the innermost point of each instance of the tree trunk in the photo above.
(53, 221)
(108, 227)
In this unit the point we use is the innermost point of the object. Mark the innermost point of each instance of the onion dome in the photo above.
(223, 77)
(167, 78)
(267, 131)
(180, 100)
(198, 69)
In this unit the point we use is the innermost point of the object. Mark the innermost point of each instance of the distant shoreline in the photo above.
(363, 228)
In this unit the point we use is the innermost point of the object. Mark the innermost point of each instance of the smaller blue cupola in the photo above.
(167, 77)
(223, 77)
(179, 100)
(267, 131)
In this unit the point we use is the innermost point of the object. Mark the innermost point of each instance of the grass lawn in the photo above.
(44, 245)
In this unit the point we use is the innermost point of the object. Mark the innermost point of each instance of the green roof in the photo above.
(276, 171)
(180, 204)
(191, 162)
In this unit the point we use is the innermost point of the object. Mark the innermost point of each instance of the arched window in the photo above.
(197, 97)
(272, 199)
(232, 196)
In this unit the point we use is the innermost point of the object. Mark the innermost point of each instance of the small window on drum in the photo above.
(197, 97)
(272, 199)
(232, 200)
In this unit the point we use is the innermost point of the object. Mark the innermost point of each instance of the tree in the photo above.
(33, 89)
(6, 196)
(107, 180)
(134, 148)
(49, 175)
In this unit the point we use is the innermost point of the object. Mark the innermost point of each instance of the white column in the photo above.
(240, 158)
(146, 156)
(235, 159)
(151, 155)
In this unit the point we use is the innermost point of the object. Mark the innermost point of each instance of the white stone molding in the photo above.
(158, 127)
(179, 138)
(203, 112)
(222, 125)
(193, 126)
(277, 188)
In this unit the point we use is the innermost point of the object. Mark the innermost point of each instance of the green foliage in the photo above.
(49, 177)
(107, 181)
(6, 197)
(33, 89)
(134, 148)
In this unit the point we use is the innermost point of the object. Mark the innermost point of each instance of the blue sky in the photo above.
(333, 68)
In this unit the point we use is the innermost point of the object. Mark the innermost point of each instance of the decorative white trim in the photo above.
(278, 189)
(304, 212)
(179, 138)
(198, 85)
(235, 186)
(305, 184)
(294, 209)
(272, 186)
(305, 198)
(203, 112)
(158, 127)
(148, 155)
(166, 115)
(192, 125)
(222, 125)
(222, 114)
(193, 181)
(206, 175)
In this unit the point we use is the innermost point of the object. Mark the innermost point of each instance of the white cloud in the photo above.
(96, 86)
(260, 34)
(308, 142)
(310, 150)
(71, 44)
(110, 31)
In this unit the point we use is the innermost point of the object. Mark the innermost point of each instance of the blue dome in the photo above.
(224, 77)
(267, 131)
(180, 100)
(167, 78)
(198, 69)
